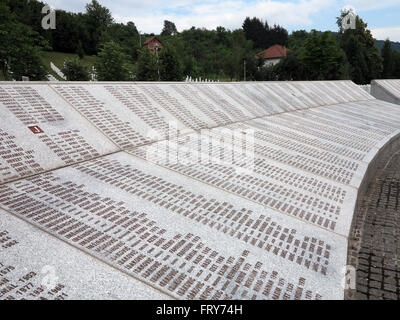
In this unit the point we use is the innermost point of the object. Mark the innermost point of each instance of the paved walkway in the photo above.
(378, 270)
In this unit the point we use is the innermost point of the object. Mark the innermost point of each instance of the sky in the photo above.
(382, 16)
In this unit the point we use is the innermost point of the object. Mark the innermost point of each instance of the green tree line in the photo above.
(214, 54)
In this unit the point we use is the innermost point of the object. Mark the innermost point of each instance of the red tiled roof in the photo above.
(276, 51)
(150, 40)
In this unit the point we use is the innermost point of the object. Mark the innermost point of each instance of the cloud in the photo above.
(71, 5)
(393, 33)
(149, 15)
(231, 13)
(369, 5)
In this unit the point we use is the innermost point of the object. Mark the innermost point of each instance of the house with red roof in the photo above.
(273, 55)
(153, 44)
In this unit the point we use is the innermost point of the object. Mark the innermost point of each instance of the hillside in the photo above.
(395, 45)
(58, 58)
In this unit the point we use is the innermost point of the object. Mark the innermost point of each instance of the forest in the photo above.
(218, 54)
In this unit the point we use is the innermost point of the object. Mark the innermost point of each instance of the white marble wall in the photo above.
(270, 224)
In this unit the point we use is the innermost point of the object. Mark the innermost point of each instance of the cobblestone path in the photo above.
(378, 269)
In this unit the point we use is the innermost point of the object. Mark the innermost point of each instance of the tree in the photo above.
(147, 66)
(323, 57)
(396, 64)
(75, 70)
(29, 13)
(277, 35)
(67, 35)
(262, 35)
(361, 51)
(239, 51)
(170, 65)
(97, 20)
(20, 48)
(297, 39)
(387, 56)
(291, 69)
(79, 50)
(256, 31)
(169, 29)
(266, 73)
(126, 35)
(113, 63)
(357, 58)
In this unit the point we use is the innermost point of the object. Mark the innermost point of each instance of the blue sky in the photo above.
(382, 16)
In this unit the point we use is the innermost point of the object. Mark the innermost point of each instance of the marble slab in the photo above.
(187, 239)
(39, 131)
(183, 190)
(35, 265)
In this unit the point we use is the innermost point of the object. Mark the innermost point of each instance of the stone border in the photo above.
(381, 93)
(375, 168)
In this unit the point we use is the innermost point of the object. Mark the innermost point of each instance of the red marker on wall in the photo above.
(36, 129)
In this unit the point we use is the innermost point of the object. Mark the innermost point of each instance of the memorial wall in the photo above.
(183, 190)
(387, 90)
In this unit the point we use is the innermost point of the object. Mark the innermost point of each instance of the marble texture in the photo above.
(40, 131)
(36, 265)
(189, 191)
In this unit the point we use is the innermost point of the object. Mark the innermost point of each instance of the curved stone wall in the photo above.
(373, 241)
(194, 191)
(386, 90)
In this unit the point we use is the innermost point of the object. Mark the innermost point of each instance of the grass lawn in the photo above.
(58, 58)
